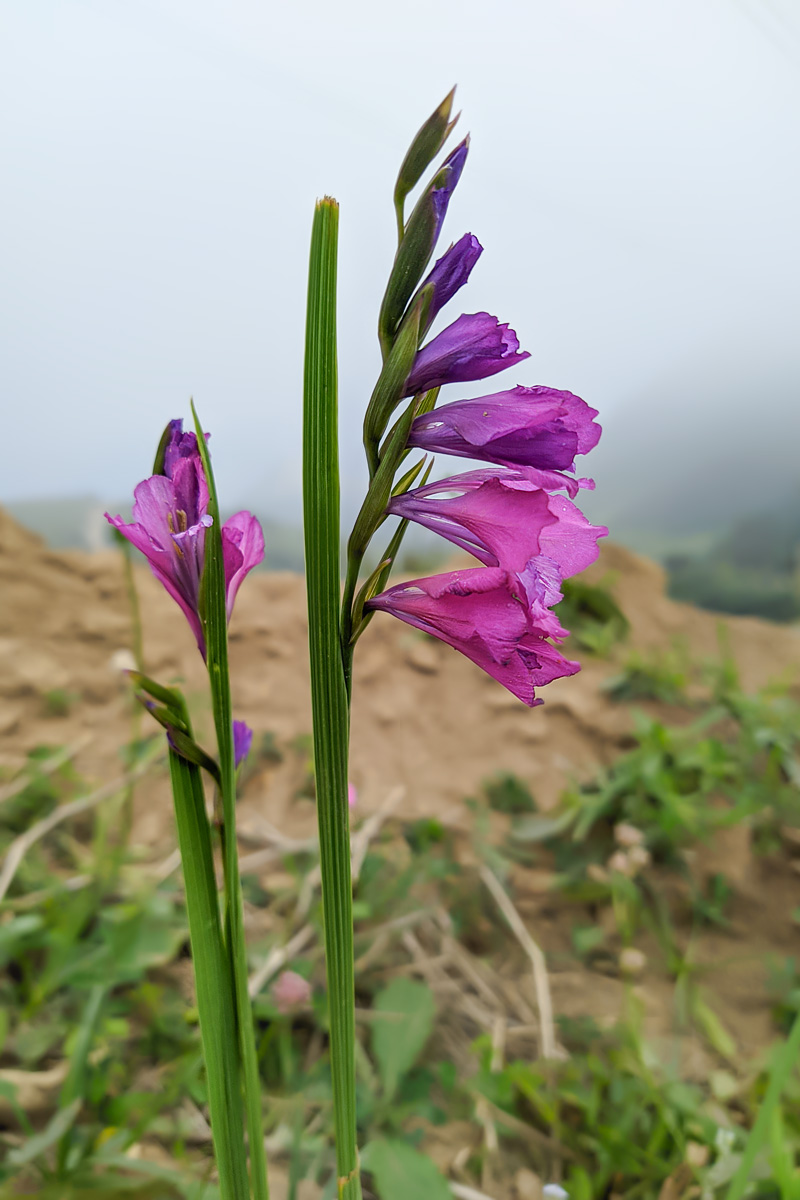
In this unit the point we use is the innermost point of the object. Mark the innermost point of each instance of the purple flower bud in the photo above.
(497, 619)
(536, 427)
(444, 185)
(290, 991)
(242, 741)
(418, 243)
(170, 518)
(450, 273)
(473, 347)
(504, 519)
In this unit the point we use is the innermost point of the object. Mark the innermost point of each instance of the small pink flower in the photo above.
(352, 796)
(290, 991)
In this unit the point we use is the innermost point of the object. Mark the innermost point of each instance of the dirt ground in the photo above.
(424, 719)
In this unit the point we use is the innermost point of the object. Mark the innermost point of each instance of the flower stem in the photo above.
(212, 975)
(328, 689)
(216, 630)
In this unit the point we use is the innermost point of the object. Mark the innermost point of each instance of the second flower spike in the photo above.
(170, 519)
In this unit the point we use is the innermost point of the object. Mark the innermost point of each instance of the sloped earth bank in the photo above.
(424, 720)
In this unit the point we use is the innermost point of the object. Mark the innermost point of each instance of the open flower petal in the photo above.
(475, 346)
(504, 519)
(535, 427)
(170, 519)
(242, 549)
(486, 614)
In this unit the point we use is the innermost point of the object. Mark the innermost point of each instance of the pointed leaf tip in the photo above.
(427, 143)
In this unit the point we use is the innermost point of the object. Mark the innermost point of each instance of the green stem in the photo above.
(348, 595)
(216, 631)
(784, 1058)
(137, 643)
(328, 690)
(215, 1004)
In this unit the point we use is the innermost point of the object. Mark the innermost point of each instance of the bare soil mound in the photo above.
(424, 717)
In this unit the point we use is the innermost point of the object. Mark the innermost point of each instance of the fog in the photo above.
(633, 178)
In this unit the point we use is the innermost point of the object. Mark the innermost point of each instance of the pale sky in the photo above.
(633, 177)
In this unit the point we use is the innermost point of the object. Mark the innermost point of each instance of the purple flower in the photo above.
(473, 347)
(170, 518)
(445, 184)
(242, 549)
(450, 273)
(496, 619)
(504, 519)
(290, 991)
(242, 741)
(526, 427)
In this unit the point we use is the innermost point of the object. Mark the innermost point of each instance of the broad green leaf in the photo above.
(401, 1172)
(407, 1010)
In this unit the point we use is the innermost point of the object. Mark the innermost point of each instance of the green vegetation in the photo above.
(752, 569)
(102, 1090)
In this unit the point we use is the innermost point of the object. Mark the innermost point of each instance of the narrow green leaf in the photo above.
(56, 1128)
(408, 1010)
(215, 622)
(328, 689)
(215, 994)
(402, 1173)
(784, 1061)
(158, 462)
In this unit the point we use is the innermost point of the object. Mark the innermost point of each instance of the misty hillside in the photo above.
(692, 456)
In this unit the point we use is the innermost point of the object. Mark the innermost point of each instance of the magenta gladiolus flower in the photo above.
(526, 427)
(504, 519)
(450, 273)
(170, 519)
(242, 741)
(498, 620)
(473, 347)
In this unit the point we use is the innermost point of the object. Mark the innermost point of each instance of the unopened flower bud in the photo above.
(632, 961)
(122, 660)
(697, 1155)
(620, 863)
(638, 857)
(290, 991)
(626, 834)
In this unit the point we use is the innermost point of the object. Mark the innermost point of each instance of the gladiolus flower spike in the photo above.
(508, 515)
(170, 519)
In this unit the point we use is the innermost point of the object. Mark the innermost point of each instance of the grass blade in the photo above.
(328, 691)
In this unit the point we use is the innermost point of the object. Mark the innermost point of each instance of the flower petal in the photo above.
(242, 741)
(475, 346)
(483, 613)
(536, 427)
(450, 273)
(242, 549)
